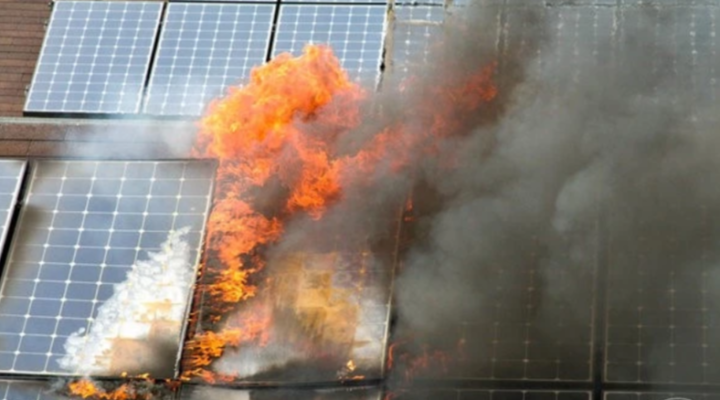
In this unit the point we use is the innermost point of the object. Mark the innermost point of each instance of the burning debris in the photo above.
(135, 389)
(139, 326)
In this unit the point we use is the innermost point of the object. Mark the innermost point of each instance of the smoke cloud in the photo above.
(601, 147)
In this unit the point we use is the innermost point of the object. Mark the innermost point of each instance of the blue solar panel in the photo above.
(95, 57)
(203, 49)
(27, 390)
(11, 172)
(354, 32)
(82, 227)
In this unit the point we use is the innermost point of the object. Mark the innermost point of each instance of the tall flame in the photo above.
(278, 134)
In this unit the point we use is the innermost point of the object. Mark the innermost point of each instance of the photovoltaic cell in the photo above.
(95, 57)
(27, 390)
(82, 227)
(355, 33)
(203, 49)
(662, 306)
(414, 29)
(474, 394)
(659, 396)
(11, 172)
(361, 393)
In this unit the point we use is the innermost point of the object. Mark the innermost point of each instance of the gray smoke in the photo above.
(600, 148)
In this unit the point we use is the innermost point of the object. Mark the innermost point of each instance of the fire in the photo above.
(276, 138)
(87, 389)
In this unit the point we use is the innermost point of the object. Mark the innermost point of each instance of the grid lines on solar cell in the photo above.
(82, 227)
(518, 337)
(26, 390)
(355, 33)
(662, 308)
(209, 392)
(11, 172)
(478, 394)
(203, 49)
(659, 396)
(95, 57)
(414, 29)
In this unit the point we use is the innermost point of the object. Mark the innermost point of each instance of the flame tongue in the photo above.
(256, 133)
(283, 127)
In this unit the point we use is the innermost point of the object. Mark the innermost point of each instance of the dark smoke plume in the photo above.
(600, 152)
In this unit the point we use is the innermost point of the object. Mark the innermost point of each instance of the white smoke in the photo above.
(153, 296)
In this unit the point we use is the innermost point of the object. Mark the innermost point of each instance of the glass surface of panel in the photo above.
(11, 172)
(479, 394)
(212, 393)
(203, 49)
(100, 267)
(355, 33)
(95, 57)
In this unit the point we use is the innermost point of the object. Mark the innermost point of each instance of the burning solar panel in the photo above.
(325, 318)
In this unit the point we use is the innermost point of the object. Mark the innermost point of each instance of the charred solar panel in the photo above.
(101, 265)
(523, 331)
(11, 172)
(203, 49)
(662, 306)
(27, 390)
(659, 396)
(469, 394)
(355, 33)
(212, 393)
(95, 57)
(414, 29)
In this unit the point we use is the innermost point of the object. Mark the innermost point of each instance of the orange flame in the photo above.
(87, 389)
(275, 138)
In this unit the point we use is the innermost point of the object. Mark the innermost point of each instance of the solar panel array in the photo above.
(97, 55)
(95, 58)
(82, 227)
(203, 49)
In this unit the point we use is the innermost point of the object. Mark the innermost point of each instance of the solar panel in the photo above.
(203, 49)
(520, 332)
(473, 394)
(212, 393)
(27, 390)
(95, 57)
(414, 29)
(662, 307)
(11, 172)
(83, 227)
(659, 396)
(355, 33)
